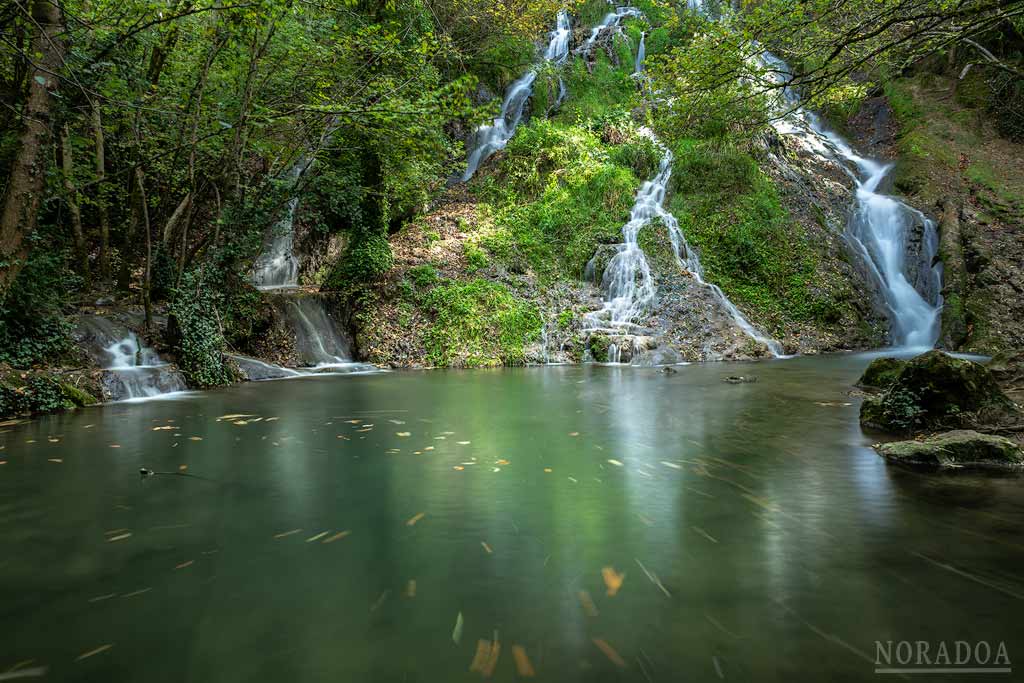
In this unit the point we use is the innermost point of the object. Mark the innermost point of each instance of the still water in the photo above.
(755, 535)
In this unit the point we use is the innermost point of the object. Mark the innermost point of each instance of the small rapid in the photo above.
(131, 370)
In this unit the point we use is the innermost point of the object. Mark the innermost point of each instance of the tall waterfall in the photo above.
(627, 284)
(611, 20)
(276, 267)
(880, 226)
(488, 139)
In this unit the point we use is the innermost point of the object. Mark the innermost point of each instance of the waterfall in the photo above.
(641, 53)
(611, 20)
(627, 283)
(276, 267)
(132, 370)
(880, 226)
(488, 139)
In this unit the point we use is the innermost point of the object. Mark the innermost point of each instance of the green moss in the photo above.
(77, 396)
(476, 259)
(478, 324)
(556, 195)
(423, 276)
(749, 246)
(593, 95)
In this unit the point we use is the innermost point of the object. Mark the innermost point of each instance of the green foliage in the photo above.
(32, 325)
(38, 394)
(556, 196)
(732, 214)
(479, 323)
(597, 94)
(423, 276)
(476, 259)
(199, 342)
(365, 260)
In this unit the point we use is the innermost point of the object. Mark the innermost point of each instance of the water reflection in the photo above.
(785, 546)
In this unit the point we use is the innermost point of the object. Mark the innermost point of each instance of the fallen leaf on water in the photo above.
(397, 422)
(496, 469)
(447, 433)
(463, 443)
(182, 468)
(704, 534)
(523, 666)
(612, 580)
(55, 460)
(429, 448)
(189, 563)
(101, 598)
(119, 537)
(52, 440)
(483, 653)
(287, 533)
(457, 631)
(272, 419)
(548, 470)
(440, 438)
(610, 653)
(415, 518)
(336, 537)
(164, 428)
(353, 422)
(573, 480)
(318, 536)
(410, 588)
(574, 433)
(380, 601)
(403, 434)
(615, 462)
(3, 462)
(195, 438)
(673, 465)
(138, 592)
(587, 603)
(90, 653)
(88, 426)
(501, 462)
(459, 468)
(492, 660)
(233, 416)
(486, 547)
(115, 445)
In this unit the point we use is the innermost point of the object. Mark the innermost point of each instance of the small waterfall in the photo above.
(318, 339)
(611, 20)
(132, 370)
(880, 227)
(627, 282)
(488, 139)
(641, 54)
(276, 267)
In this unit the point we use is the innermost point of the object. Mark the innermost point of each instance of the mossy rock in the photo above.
(77, 396)
(961, 448)
(881, 374)
(937, 391)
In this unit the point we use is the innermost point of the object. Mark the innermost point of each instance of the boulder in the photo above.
(881, 374)
(962, 448)
(936, 391)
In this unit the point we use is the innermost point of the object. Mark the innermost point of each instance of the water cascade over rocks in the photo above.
(627, 284)
(488, 139)
(132, 370)
(881, 230)
(276, 267)
(641, 54)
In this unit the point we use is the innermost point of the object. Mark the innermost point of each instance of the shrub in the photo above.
(198, 340)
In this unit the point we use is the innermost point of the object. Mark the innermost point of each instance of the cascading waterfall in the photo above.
(641, 54)
(276, 267)
(627, 283)
(132, 370)
(488, 139)
(880, 227)
(611, 20)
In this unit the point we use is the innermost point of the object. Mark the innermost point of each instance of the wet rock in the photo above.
(881, 374)
(739, 379)
(668, 370)
(961, 448)
(936, 391)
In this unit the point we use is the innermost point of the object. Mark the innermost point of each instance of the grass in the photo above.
(479, 323)
(732, 213)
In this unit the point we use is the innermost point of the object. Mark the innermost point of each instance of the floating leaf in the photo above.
(287, 533)
(486, 547)
(457, 631)
(587, 603)
(119, 537)
(612, 580)
(403, 434)
(183, 565)
(615, 462)
(410, 588)
(336, 537)
(610, 653)
(101, 648)
(415, 518)
(523, 665)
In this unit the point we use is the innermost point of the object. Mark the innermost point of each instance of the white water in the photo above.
(641, 54)
(610, 21)
(132, 370)
(276, 267)
(488, 139)
(880, 227)
(627, 284)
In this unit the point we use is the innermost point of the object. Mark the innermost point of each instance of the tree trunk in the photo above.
(101, 198)
(147, 280)
(28, 170)
(67, 163)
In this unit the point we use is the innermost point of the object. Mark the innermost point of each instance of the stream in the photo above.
(335, 528)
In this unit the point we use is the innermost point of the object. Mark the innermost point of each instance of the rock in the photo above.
(739, 379)
(937, 391)
(962, 448)
(668, 370)
(881, 373)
